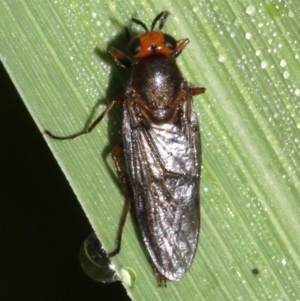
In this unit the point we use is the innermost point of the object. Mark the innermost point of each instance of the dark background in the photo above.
(42, 225)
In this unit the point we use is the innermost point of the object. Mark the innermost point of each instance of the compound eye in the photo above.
(170, 41)
(134, 46)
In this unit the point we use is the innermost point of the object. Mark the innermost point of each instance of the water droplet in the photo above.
(264, 64)
(282, 63)
(250, 10)
(283, 261)
(286, 74)
(94, 14)
(248, 35)
(237, 22)
(222, 58)
(94, 261)
(297, 92)
(128, 276)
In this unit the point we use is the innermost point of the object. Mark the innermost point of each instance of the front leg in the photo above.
(120, 58)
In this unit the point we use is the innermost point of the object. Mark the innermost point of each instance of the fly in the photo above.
(162, 148)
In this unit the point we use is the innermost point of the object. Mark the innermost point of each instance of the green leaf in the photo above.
(247, 56)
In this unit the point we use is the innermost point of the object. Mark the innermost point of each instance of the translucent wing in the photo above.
(163, 162)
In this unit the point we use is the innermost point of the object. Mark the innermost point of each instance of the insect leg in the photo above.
(115, 154)
(181, 44)
(120, 58)
(91, 127)
(162, 280)
(198, 90)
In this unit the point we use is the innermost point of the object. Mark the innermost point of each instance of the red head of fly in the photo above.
(149, 43)
(152, 42)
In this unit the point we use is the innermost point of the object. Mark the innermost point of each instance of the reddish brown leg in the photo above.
(121, 59)
(91, 127)
(181, 44)
(162, 280)
(198, 90)
(115, 154)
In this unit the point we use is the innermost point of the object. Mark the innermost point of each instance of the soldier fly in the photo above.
(161, 144)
